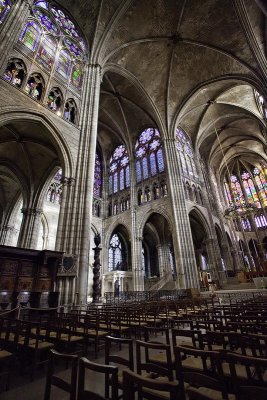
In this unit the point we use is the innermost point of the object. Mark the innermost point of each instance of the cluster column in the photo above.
(185, 254)
(75, 221)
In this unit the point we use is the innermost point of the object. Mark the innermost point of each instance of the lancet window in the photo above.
(98, 176)
(5, 7)
(186, 154)
(119, 170)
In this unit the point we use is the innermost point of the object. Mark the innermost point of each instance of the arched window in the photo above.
(51, 33)
(262, 185)
(54, 100)
(149, 156)
(246, 224)
(250, 190)
(261, 221)
(117, 254)
(186, 154)
(261, 103)
(119, 170)
(98, 176)
(54, 192)
(35, 86)
(15, 72)
(70, 111)
(31, 35)
(4, 9)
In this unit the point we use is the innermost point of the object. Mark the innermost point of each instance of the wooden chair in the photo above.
(183, 337)
(52, 379)
(118, 360)
(256, 369)
(204, 372)
(110, 372)
(144, 361)
(148, 388)
(6, 360)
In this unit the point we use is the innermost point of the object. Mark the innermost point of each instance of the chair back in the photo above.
(53, 380)
(108, 370)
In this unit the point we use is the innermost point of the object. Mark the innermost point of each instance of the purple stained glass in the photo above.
(145, 168)
(154, 145)
(4, 9)
(58, 175)
(153, 166)
(46, 21)
(119, 163)
(65, 23)
(122, 183)
(97, 176)
(127, 174)
(73, 48)
(138, 171)
(146, 135)
(115, 182)
(42, 4)
(160, 160)
(110, 184)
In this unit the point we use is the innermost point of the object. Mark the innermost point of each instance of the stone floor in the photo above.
(21, 388)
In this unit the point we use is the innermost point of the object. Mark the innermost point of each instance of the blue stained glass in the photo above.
(127, 173)
(46, 52)
(153, 165)
(160, 160)
(115, 183)
(42, 4)
(145, 168)
(155, 144)
(138, 171)
(4, 9)
(30, 36)
(122, 179)
(110, 184)
(73, 48)
(63, 64)
(66, 24)
(46, 21)
(146, 135)
(77, 75)
(97, 176)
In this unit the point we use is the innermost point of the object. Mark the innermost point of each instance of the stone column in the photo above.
(12, 28)
(29, 230)
(74, 235)
(182, 237)
(6, 233)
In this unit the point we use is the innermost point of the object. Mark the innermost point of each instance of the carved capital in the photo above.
(67, 181)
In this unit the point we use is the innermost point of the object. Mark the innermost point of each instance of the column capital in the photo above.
(32, 211)
(67, 181)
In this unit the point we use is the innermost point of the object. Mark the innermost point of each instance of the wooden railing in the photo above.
(145, 295)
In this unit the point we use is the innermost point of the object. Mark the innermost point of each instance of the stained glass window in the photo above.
(114, 253)
(64, 64)
(97, 176)
(30, 35)
(237, 192)
(54, 192)
(262, 185)
(119, 170)
(4, 9)
(148, 152)
(186, 154)
(60, 40)
(250, 190)
(77, 75)
(261, 221)
(46, 52)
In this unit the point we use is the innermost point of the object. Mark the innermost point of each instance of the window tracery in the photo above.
(119, 170)
(149, 155)
(114, 253)
(35, 86)
(186, 154)
(54, 100)
(70, 111)
(52, 38)
(54, 192)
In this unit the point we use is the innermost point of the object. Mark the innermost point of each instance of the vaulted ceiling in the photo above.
(179, 62)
